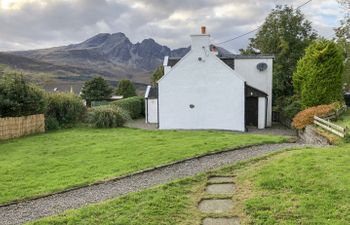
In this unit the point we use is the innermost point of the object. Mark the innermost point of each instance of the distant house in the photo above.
(207, 90)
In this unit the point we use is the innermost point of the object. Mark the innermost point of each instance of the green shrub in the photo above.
(318, 77)
(66, 108)
(18, 98)
(107, 116)
(51, 123)
(291, 106)
(135, 106)
(99, 103)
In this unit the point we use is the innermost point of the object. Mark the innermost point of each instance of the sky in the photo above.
(33, 24)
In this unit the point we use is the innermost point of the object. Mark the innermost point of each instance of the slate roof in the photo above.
(152, 92)
(253, 92)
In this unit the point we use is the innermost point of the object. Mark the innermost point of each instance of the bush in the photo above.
(107, 116)
(51, 123)
(18, 98)
(99, 103)
(65, 108)
(318, 77)
(306, 117)
(291, 106)
(135, 106)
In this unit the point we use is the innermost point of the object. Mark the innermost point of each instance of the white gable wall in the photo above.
(215, 90)
(261, 80)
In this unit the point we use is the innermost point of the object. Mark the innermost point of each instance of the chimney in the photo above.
(200, 41)
(203, 30)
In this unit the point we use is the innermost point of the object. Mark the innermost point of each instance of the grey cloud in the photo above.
(64, 22)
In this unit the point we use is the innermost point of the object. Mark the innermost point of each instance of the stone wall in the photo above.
(310, 136)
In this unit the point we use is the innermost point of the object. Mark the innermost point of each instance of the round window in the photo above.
(261, 66)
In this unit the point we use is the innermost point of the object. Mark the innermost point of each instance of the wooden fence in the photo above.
(336, 114)
(12, 127)
(331, 127)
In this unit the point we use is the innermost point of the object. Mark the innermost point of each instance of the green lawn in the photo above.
(307, 186)
(55, 161)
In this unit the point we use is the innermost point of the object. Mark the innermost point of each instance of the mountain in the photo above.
(112, 53)
(112, 56)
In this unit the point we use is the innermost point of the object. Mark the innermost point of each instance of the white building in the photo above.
(206, 90)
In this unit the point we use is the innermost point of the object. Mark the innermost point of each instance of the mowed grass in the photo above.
(306, 186)
(55, 161)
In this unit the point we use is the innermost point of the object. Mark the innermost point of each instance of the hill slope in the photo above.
(112, 54)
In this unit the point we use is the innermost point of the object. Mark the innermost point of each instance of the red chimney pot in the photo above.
(203, 30)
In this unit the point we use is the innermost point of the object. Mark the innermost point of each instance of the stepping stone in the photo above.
(227, 188)
(221, 221)
(220, 179)
(215, 205)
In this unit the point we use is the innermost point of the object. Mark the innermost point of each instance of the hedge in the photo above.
(135, 106)
(20, 98)
(306, 117)
(64, 110)
(107, 116)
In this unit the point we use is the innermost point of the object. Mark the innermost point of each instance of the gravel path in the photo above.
(57, 203)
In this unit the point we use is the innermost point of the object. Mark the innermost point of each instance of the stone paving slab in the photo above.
(221, 221)
(215, 205)
(227, 188)
(220, 179)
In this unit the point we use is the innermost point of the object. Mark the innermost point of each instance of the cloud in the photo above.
(28, 24)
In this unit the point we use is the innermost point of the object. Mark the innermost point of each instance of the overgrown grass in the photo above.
(55, 161)
(344, 119)
(300, 187)
(307, 186)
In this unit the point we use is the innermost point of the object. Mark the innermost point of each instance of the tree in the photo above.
(157, 74)
(285, 34)
(96, 89)
(343, 31)
(343, 40)
(126, 89)
(19, 98)
(318, 77)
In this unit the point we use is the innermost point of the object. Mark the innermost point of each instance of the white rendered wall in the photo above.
(214, 89)
(151, 111)
(261, 112)
(261, 80)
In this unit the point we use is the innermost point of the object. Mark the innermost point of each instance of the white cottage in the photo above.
(207, 90)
